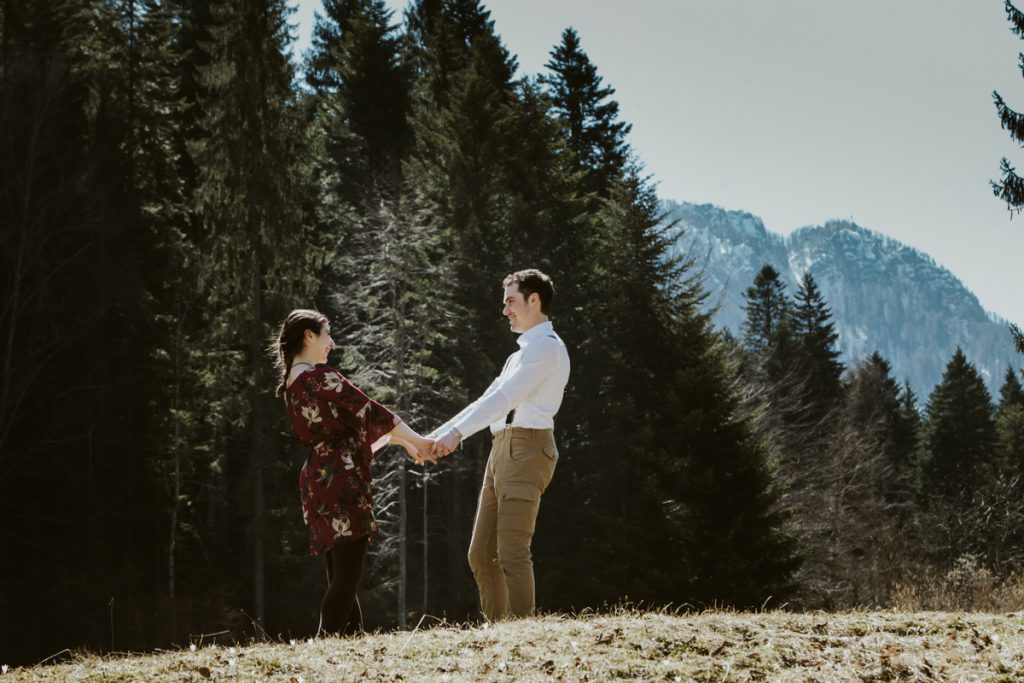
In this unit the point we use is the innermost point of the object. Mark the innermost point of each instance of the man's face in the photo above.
(521, 316)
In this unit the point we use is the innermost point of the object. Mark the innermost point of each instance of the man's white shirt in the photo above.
(532, 383)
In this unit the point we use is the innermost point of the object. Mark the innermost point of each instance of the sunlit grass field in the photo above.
(622, 645)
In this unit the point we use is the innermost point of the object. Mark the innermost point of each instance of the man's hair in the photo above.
(532, 280)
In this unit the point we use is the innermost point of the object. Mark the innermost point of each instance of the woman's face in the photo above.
(320, 345)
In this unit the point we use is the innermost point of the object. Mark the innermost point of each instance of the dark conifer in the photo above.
(1010, 426)
(1011, 393)
(257, 252)
(361, 91)
(960, 432)
(874, 404)
(593, 130)
(908, 432)
(768, 329)
(1010, 188)
(816, 337)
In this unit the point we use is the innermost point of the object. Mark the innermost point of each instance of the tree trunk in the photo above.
(256, 429)
(175, 503)
(400, 404)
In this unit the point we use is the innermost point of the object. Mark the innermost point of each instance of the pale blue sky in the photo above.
(800, 111)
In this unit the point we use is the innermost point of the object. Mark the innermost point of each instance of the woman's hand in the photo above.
(418, 447)
(419, 451)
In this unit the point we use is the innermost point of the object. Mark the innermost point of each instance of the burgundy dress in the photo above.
(342, 427)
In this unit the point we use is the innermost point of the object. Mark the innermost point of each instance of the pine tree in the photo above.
(67, 306)
(156, 108)
(908, 433)
(258, 257)
(875, 406)
(1010, 188)
(362, 98)
(768, 328)
(1010, 425)
(460, 176)
(960, 433)
(594, 134)
(818, 357)
(1011, 393)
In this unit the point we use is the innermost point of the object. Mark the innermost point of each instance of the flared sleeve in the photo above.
(370, 419)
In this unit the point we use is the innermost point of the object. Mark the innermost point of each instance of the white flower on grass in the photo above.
(292, 642)
(231, 650)
(342, 527)
(192, 647)
(308, 642)
(5, 668)
(232, 662)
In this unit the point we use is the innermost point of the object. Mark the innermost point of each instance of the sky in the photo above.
(803, 111)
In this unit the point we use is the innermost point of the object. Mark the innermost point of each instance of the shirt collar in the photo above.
(534, 332)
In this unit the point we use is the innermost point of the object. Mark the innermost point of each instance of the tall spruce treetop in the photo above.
(960, 430)
(1011, 187)
(769, 313)
(362, 90)
(816, 336)
(595, 134)
(1011, 393)
(442, 35)
(908, 434)
(881, 410)
(873, 393)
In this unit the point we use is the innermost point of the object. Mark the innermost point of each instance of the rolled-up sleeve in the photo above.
(536, 361)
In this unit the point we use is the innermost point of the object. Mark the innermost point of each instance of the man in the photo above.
(519, 407)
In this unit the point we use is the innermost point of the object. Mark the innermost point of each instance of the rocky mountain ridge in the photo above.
(884, 295)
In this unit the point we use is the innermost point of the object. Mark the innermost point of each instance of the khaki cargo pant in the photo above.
(519, 468)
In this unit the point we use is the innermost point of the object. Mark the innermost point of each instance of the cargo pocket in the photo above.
(517, 508)
(551, 451)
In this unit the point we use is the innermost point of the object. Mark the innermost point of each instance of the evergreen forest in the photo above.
(173, 182)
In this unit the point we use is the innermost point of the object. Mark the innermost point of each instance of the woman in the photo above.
(343, 428)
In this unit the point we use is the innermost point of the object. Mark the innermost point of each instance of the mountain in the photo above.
(884, 295)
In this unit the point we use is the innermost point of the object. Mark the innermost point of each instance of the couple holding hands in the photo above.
(343, 428)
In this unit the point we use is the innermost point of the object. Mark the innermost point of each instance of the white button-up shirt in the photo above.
(532, 383)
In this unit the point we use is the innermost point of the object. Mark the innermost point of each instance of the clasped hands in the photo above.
(424, 449)
(432, 447)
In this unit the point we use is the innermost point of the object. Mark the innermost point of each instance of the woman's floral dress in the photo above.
(343, 428)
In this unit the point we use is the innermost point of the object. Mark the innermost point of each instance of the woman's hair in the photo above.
(290, 338)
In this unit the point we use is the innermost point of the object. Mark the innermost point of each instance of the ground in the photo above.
(625, 645)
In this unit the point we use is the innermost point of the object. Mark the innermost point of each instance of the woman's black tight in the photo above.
(339, 612)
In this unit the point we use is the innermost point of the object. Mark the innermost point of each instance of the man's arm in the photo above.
(536, 362)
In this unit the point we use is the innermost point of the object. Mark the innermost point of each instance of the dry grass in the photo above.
(714, 645)
(967, 587)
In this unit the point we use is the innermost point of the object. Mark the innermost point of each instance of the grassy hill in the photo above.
(713, 645)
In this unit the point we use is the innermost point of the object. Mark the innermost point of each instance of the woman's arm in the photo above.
(417, 446)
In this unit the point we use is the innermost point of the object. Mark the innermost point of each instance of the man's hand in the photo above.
(426, 453)
(446, 442)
